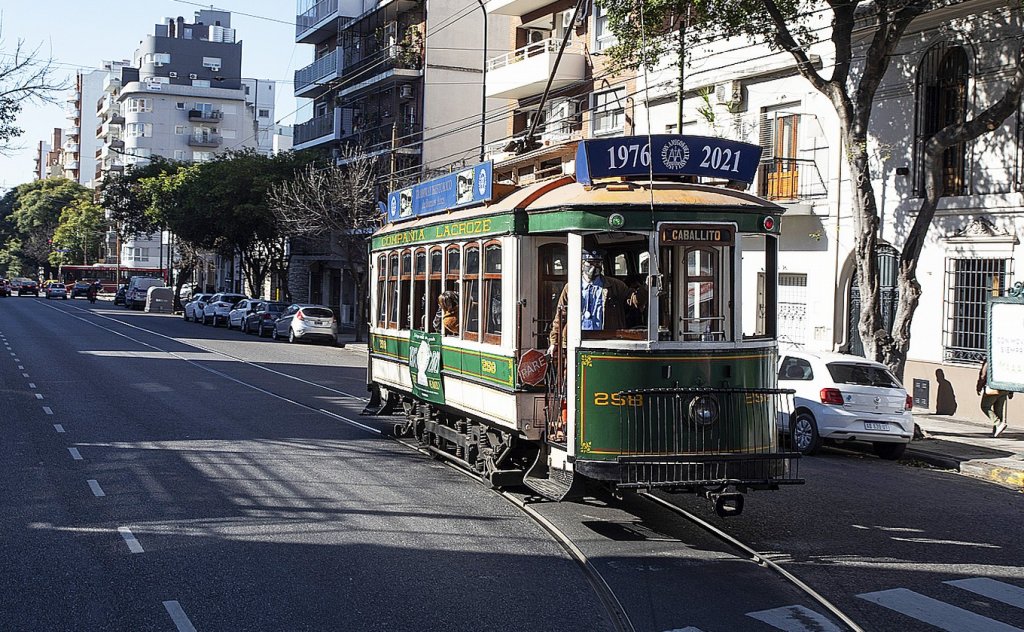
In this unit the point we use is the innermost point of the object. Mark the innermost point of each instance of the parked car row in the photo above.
(298, 321)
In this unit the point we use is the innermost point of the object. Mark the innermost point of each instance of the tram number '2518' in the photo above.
(617, 399)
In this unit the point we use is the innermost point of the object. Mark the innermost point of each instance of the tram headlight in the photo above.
(704, 410)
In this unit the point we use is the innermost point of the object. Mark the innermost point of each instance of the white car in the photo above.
(194, 308)
(56, 290)
(845, 398)
(236, 317)
(217, 308)
(306, 322)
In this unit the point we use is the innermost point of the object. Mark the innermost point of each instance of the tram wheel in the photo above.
(804, 433)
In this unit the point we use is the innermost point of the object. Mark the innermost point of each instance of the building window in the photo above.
(180, 130)
(202, 156)
(140, 254)
(137, 130)
(608, 111)
(969, 283)
(264, 114)
(135, 104)
(180, 105)
(229, 134)
(603, 36)
(200, 83)
(942, 100)
(179, 154)
(211, 62)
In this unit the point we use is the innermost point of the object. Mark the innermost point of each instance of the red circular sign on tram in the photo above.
(533, 366)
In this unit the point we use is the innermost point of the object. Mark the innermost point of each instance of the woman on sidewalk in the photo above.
(993, 402)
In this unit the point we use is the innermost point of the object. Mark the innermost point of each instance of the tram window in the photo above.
(702, 282)
(554, 271)
(419, 292)
(666, 304)
(393, 290)
(382, 276)
(453, 261)
(434, 288)
(471, 294)
(492, 292)
(405, 289)
(619, 266)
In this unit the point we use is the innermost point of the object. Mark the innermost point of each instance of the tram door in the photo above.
(701, 270)
(552, 275)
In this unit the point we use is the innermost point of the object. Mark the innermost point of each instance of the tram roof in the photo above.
(571, 194)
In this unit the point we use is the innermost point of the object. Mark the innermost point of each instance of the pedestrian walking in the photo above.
(993, 401)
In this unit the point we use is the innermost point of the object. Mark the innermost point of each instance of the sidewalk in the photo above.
(969, 448)
(347, 339)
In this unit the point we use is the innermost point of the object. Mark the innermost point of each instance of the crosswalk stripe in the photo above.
(795, 619)
(986, 587)
(935, 612)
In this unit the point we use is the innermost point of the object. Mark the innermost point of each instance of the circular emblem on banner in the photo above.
(616, 220)
(533, 366)
(675, 154)
(481, 182)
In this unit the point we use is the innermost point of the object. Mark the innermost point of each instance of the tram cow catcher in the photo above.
(596, 328)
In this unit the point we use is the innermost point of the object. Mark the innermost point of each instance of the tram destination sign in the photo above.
(466, 187)
(666, 155)
(1006, 343)
(712, 234)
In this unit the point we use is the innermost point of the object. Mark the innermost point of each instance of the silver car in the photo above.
(56, 290)
(194, 308)
(219, 306)
(307, 322)
(843, 397)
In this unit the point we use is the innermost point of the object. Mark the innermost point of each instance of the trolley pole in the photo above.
(394, 149)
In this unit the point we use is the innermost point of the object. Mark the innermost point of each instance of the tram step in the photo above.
(558, 485)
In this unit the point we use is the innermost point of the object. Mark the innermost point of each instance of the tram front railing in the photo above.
(706, 436)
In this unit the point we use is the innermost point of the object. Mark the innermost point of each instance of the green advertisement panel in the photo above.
(425, 366)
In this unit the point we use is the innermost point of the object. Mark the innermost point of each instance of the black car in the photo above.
(261, 320)
(27, 286)
(80, 288)
(119, 296)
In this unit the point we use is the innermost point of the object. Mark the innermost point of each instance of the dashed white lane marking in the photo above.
(46, 409)
(12, 353)
(987, 587)
(31, 384)
(24, 375)
(934, 612)
(75, 454)
(39, 395)
(58, 428)
(178, 617)
(94, 485)
(795, 619)
(21, 368)
(129, 539)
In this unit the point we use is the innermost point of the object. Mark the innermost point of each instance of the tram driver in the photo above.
(604, 301)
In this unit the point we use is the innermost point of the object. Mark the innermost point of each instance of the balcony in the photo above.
(318, 21)
(71, 147)
(108, 130)
(205, 116)
(111, 84)
(205, 140)
(515, 7)
(74, 97)
(790, 179)
(309, 81)
(71, 165)
(117, 145)
(116, 118)
(317, 130)
(72, 132)
(524, 72)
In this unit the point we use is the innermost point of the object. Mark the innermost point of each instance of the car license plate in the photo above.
(318, 323)
(875, 426)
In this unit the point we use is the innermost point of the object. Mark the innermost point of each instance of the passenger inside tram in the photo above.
(447, 313)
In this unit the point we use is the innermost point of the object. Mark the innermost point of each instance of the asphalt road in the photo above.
(160, 475)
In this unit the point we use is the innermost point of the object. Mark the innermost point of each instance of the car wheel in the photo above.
(889, 451)
(273, 333)
(291, 335)
(261, 332)
(206, 321)
(184, 316)
(245, 327)
(804, 433)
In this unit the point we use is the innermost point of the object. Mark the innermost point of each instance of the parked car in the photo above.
(56, 289)
(216, 310)
(261, 320)
(25, 286)
(120, 294)
(301, 322)
(186, 292)
(194, 307)
(135, 295)
(242, 309)
(80, 288)
(843, 397)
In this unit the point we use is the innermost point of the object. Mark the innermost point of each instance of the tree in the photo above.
(24, 78)
(864, 36)
(336, 202)
(79, 233)
(37, 213)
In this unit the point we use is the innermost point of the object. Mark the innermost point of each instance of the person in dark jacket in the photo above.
(993, 401)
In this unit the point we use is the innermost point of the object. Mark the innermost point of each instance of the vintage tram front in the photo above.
(615, 326)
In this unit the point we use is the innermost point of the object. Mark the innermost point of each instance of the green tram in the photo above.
(658, 372)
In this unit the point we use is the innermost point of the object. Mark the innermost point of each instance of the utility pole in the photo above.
(682, 67)
(394, 157)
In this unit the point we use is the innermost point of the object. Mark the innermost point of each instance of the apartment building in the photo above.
(42, 153)
(80, 149)
(585, 99)
(953, 62)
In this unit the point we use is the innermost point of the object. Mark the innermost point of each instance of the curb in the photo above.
(976, 468)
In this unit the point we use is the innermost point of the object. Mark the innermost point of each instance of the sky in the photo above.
(80, 35)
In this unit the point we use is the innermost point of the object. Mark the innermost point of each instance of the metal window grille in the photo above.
(942, 93)
(969, 283)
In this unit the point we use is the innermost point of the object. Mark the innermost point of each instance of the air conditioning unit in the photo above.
(193, 75)
(405, 91)
(567, 18)
(730, 95)
(172, 75)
